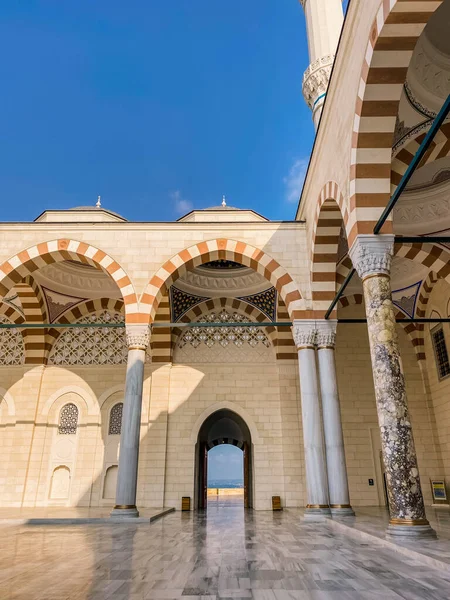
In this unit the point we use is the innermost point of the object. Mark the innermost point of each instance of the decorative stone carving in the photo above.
(429, 70)
(372, 254)
(304, 332)
(115, 419)
(223, 280)
(316, 78)
(11, 345)
(181, 302)
(266, 301)
(224, 344)
(138, 336)
(68, 419)
(326, 333)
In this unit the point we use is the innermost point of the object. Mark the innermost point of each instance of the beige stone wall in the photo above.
(253, 391)
(439, 389)
(141, 249)
(175, 398)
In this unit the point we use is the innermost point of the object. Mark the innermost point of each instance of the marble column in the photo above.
(332, 424)
(371, 256)
(138, 339)
(316, 477)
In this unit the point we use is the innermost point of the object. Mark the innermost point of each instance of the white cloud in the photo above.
(181, 205)
(294, 180)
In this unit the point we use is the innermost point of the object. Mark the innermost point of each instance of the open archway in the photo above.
(224, 426)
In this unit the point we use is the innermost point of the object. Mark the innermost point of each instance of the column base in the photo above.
(410, 529)
(124, 511)
(342, 510)
(317, 512)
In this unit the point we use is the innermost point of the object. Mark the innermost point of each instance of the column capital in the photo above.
(304, 333)
(371, 254)
(326, 333)
(138, 336)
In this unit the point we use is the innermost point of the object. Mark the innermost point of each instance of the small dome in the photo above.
(220, 207)
(96, 208)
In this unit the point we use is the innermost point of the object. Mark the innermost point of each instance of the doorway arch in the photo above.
(223, 426)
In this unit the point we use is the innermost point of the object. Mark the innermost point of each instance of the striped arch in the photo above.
(285, 345)
(160, 340)
(439, 148)
(15, 269)
(35, 311)
(232, 304)
(11, 313)
(421, 307)
(436, 258)
(331, 215)
(412, 330)
(72, 315)
(342, 270)
(393, 36)
(221, 249)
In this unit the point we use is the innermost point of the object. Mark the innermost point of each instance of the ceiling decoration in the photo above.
(265, 301)
(58, 303)
(181, 302)
(215, 283)
(71, 279)
(405, 298)
(222, 264)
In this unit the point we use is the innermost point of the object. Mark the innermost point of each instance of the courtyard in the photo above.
(217, 554)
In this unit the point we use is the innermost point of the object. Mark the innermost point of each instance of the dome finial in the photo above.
(224, 202)
(98, 204)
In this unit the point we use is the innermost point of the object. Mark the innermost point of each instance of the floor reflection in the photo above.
(220, 553)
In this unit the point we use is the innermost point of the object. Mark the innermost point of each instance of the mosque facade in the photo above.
(129, 349)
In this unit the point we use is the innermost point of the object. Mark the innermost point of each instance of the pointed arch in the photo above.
(236, 408)
(232, 304)
(16, 268)
(82, 309)
(221, 249)
(393, 36)
(331, 220)
(35, 312)
(439, 148)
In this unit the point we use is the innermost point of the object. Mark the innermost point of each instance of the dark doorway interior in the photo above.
(222, 427)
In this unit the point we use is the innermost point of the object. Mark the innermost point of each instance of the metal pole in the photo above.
(340, 292)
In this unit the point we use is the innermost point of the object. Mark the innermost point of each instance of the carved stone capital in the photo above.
(304, 333)
(372, 254)
(326, 333)
(138, 336)
(316, 78)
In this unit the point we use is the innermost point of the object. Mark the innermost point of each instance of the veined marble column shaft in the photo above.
(371, 256)
(138, 340)
(316, 477)
(332, 424)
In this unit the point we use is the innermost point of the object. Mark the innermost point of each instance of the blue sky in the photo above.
(225, 462)
(157, 106)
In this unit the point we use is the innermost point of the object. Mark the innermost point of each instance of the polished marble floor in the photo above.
(226, 553)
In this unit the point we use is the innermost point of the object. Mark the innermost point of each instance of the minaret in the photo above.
(324, 20)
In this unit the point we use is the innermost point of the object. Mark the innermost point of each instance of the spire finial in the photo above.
(98, 204)
(224, 202)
